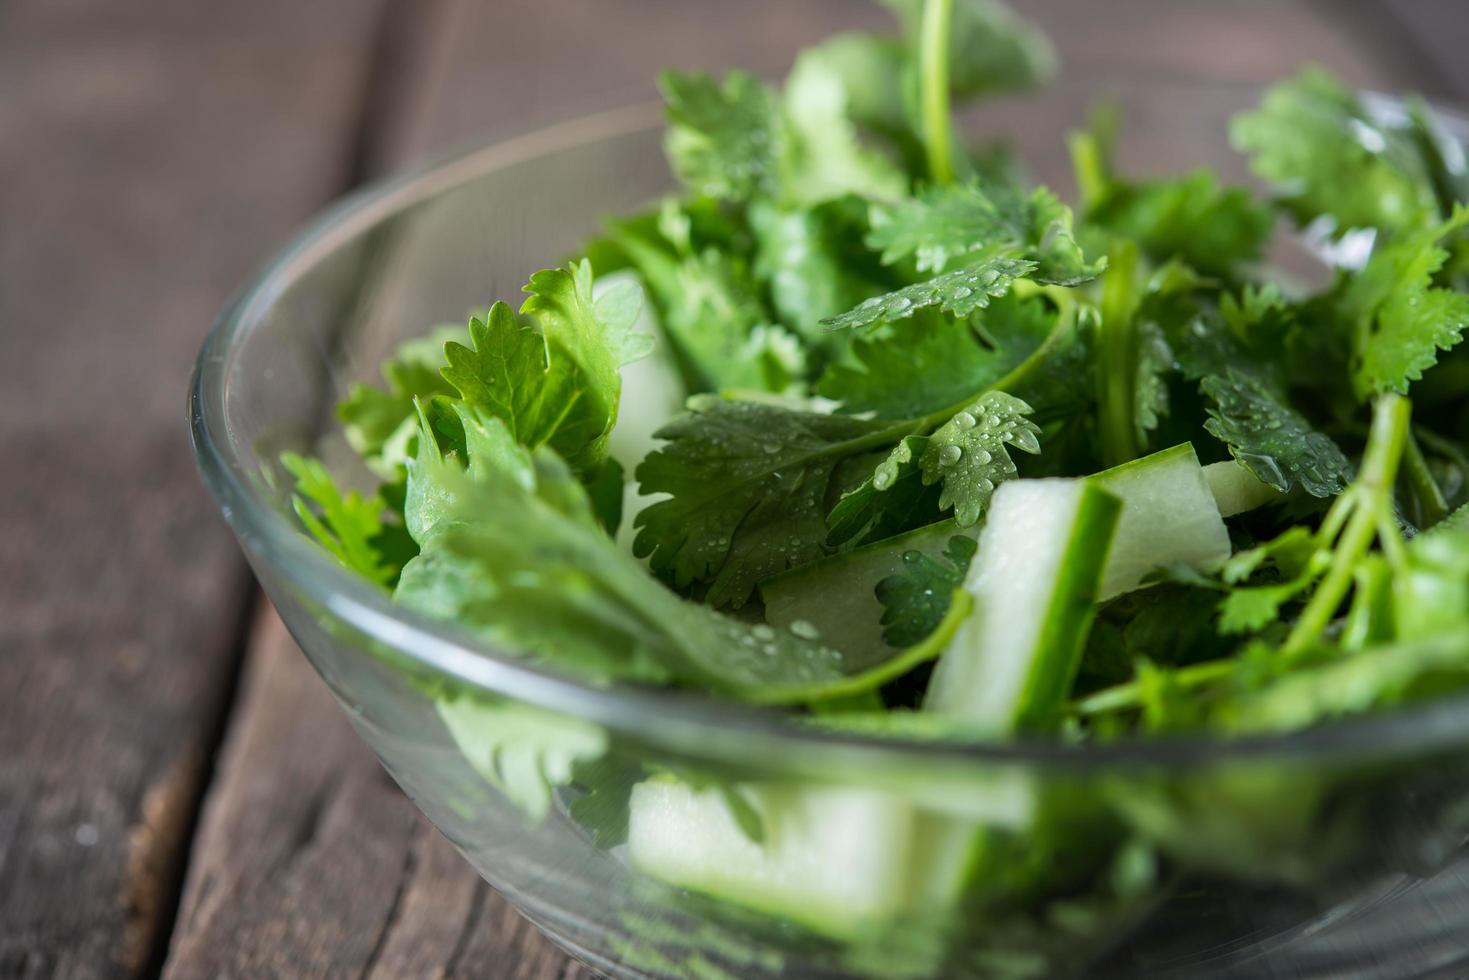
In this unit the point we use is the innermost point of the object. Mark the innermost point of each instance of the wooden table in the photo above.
(178, 795)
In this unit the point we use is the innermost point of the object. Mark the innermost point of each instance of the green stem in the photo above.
(933, 56)
(1371, 502)
(874, 677)
(1432, 506)
(1117, 343)
(1129, 695)
(1059, 335)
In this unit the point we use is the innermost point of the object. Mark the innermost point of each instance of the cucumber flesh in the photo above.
(1237, 489)
(1168, 516)
(834, 859)
(1034, 581)
(652, 392)
(652, 389)
(834, 597)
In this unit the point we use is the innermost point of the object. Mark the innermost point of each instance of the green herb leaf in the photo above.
(814, 263)
(348, 525)
(748, 485)
(1265, 434)
(709, 307)
(543, 579)
(958, 293)
(916, 600)
(968, 453)
(891, 500)
(1400, 320)
(378, 423)
(1214, 229)
(523, 751)
(824, 157)
(722, 141)
(1315, 140)
(951, 223)
(911, 370)
(553, 380)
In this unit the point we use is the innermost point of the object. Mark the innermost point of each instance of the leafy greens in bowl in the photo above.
(865, 428)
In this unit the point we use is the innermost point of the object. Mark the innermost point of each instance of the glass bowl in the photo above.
(1327, 853)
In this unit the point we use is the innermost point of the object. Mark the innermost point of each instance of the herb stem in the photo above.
(1370, 504)
(1129, 694)
(1059, 334)
(874, 677)
(1432, 507)
(1117, 344)
(933, 55)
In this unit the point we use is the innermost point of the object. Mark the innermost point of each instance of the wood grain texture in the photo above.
(150, 152)
(311, 863)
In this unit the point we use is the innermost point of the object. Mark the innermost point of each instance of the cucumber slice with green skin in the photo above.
(834, 597)
(1168, 516)
(834, 859)
(1237, 489)
(842, 861)
(1041, 559)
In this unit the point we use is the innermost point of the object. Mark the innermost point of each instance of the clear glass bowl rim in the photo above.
(671, 718)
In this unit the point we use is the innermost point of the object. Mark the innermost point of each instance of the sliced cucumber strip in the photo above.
(833, 859)
(1034, 582)
(652, 392)
(1237, 489)
(1168, 515)
(834, 597)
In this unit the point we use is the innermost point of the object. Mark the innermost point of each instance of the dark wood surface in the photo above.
(178, 794)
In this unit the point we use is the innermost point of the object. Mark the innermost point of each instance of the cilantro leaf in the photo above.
(1274, 440)
(1243, 357)
(1214, 229)
(948, 223)
(892, 499)
(1193, 219)
(959, 293)
(722, 141)
(377, 422)
(871, 70)
(813, 262)
(348, 525)
(968, 453)
(553, 380)
(543, 579)
(1385, 675)
(523, 751)
(748, 484)
(922, 367)
(916, 600)
(709, 307)
(1400, 321)
(824, 157)
(1313, 138)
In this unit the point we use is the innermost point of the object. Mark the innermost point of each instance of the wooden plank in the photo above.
(149, 153)
(482, 69)
(310, 862)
